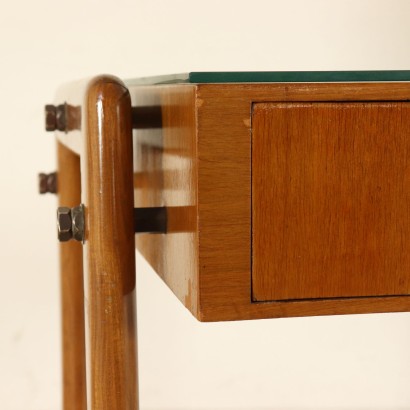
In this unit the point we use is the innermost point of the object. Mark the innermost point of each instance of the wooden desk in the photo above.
(284, 194)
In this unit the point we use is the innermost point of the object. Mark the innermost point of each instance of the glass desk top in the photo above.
(204, 77)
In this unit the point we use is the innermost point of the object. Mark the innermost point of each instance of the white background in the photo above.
(352, 362)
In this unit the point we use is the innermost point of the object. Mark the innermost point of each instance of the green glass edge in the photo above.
(199, 77)
(297, 76)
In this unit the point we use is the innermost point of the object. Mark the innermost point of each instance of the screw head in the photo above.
(55, 117)
(64, 224)
(50, 112)
(77, 215)
(42, 183)
(70, 223)
(61, 117)
(47, 183)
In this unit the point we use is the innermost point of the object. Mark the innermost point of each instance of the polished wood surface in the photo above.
(205, 153)
(224, 195)
(166, 175)
(107, 193)
(72, 292)
(218, 260)
(330, 200)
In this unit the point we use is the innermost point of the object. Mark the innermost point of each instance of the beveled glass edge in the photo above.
(205, 77)
(159, 79)
(298, 76)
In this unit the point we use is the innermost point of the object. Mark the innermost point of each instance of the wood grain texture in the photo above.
(330, 200)
(166, 175)
(224, 153)
(107, 180)
(222, 134)
(72, 291)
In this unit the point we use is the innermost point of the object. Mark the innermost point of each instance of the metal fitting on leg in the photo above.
(70, 223)
(47, 183)
(55, 117)
(63, 117)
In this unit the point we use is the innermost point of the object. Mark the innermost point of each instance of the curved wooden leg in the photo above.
(72, 292)
(107, 194)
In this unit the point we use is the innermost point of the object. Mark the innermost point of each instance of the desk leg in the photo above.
(72, 293)
(109, 249)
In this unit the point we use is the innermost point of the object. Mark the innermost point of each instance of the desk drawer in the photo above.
(282, 199)
(330, 200)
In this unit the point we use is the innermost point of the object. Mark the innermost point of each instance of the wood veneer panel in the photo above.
(166, 175)
(224, 170)
(330, 200)
(215, 120)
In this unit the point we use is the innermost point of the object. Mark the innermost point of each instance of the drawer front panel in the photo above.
(330, 200)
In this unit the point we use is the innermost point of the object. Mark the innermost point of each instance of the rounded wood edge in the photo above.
(105, 85)
(109, 245)
(110, 91)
